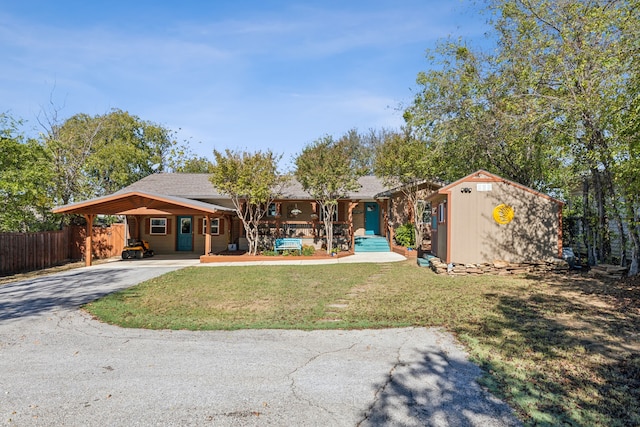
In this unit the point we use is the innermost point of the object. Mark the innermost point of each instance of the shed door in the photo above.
(185, 233)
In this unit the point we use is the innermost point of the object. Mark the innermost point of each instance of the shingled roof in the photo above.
(198, 186)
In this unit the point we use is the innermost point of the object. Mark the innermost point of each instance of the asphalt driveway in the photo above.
(60, 367)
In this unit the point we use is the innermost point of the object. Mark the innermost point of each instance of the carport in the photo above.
(138, 204)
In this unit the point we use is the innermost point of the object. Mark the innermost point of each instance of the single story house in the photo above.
(479, 218)
(482, 218)
(185, 213)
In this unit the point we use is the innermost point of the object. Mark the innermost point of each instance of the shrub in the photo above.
(406, 236)
(308, 250)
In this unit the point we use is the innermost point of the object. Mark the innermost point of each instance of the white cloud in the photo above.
(263, 78)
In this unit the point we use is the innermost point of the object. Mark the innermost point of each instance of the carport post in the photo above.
(207, 235)
(88, 239)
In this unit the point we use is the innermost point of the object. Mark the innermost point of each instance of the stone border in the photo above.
(498, 267)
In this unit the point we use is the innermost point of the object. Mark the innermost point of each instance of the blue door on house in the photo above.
(185, 233)
(371, 219)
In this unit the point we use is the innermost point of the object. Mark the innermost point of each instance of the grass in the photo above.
(562, 350)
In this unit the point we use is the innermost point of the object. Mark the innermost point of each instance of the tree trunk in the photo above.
(634, 234)
(635, 252)
(328, 210)
(586, 223)
(603, 241)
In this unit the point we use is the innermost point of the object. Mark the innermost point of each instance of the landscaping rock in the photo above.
(500, 264)
(505, 268)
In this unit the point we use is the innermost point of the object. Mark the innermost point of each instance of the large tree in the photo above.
(97, 155)
(540, 109)
(252, 182)
(24, 178)
(328, 170)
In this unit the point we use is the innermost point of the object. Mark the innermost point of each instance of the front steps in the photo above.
(371, 244)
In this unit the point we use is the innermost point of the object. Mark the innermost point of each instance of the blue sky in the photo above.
(244, 75)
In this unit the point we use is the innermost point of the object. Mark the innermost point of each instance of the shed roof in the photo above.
(484, 176)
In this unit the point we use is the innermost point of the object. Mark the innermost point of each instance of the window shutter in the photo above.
(147, 226)
(221, 226)
(168, 225)
(200, 226)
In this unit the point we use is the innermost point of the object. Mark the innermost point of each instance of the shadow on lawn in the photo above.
(578, 338)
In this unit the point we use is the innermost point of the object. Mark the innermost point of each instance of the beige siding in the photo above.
(166, 244)
(219, 242)
(477, 237)
(161, 244)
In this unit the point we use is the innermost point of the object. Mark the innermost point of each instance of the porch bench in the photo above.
(288, 244)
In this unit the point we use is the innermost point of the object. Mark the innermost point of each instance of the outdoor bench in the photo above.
(288, 244)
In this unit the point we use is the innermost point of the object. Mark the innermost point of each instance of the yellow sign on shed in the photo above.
(503, 214)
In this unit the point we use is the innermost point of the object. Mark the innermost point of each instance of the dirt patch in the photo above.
(603, 314)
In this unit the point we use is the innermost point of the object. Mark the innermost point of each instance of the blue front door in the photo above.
(371, 218)
(185, 233)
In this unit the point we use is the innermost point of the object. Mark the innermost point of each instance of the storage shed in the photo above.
(482, 218)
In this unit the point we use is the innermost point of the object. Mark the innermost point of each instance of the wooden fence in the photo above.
(22, 252)
(107, 242)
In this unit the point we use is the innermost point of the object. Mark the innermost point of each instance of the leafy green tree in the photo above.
(328, 170)
(126, 150)
(582, 55)
(252, 182)
(197, 164)
(96, 155)
(182, 160)
(24, 175)
(403, 162)
(471, 115)
(542, 108)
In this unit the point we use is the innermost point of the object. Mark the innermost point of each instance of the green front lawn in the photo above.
(560, 350)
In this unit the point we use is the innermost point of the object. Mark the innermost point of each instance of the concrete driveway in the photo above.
(60, 367)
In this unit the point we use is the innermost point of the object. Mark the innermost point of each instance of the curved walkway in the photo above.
(60, 367)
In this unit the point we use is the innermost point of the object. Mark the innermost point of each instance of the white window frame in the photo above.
(161, 223)
(215, 224)
(442, 212)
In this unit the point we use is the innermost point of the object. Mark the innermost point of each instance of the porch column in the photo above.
(88, 239)
(229, 230)
(278, 218)
(207, 234)
(352, 206)
(314, 219)
(385, 216)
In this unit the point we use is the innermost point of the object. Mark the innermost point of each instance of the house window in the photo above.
(442, 212)
(215, 226)
(158, 225)
(272, 210)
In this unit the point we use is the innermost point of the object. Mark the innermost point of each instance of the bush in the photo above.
(406, 236)
(308, 250)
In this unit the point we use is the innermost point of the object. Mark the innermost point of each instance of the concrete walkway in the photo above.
(61, 367)
(360, 257)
